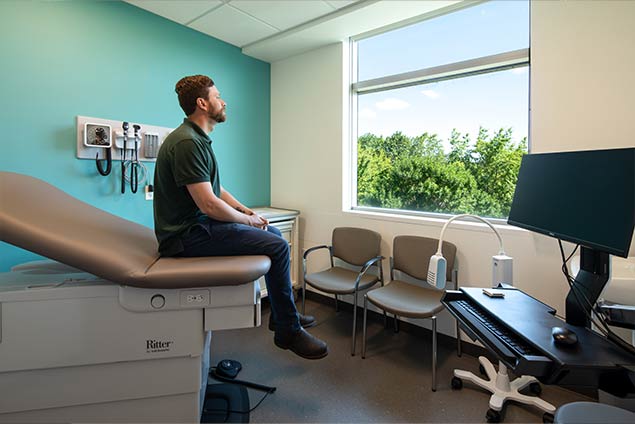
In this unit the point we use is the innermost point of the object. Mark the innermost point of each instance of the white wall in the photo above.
(582, 75)
(582, 57)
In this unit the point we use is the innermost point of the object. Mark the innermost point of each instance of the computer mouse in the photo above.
(563, 336)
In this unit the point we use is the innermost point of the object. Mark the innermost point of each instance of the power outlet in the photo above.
(195, 298)
(149, 192)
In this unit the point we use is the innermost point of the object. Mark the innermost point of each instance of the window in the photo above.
(441, 112)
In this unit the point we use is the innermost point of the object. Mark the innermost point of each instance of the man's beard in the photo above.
(219, 116)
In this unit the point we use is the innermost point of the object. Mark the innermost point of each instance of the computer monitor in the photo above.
(584, 197)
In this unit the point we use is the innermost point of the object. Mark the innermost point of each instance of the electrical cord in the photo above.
(238, 412)
(602, 326)
(143, 174)
(590, 311)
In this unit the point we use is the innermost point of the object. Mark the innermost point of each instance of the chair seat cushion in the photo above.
(407, 300)
(339, 280)
(592, 413)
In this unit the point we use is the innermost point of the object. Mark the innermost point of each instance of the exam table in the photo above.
(106, 330)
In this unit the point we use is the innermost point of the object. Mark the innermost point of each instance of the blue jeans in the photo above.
(216, 238)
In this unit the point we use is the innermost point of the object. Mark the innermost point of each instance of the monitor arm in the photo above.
(588, 285)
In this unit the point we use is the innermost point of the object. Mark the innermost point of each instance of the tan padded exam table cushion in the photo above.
(40, 218)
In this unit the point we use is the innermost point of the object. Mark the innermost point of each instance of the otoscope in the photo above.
(134, 164)
(123, 157)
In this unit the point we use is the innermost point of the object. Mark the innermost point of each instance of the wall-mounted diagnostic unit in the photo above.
(91, 141)
(129, 143)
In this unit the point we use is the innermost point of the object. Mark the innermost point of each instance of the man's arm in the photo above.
(234, 203)
(218, 209)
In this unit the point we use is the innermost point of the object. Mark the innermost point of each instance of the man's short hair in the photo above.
(191, 88)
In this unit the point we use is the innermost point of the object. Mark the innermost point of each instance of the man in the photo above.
(195, 216)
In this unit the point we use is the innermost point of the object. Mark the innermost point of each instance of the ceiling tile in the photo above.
(232, 26)
(338, 4)
(181, 11)
(283, 14)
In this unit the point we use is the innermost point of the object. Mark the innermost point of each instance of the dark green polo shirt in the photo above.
(185, 157)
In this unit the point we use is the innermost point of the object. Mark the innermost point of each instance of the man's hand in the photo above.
(249, 212)
(257, 221)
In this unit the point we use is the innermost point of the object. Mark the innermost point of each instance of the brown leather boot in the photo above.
(301, 343)
(306, 321)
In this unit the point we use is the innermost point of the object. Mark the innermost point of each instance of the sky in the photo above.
(494, 100)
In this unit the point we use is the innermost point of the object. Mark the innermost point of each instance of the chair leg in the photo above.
(354, 323)
(303, 294)
(396, 323)
(434, 353)
(458, 340)
(337, 306)
(364, 331)
(385, 320)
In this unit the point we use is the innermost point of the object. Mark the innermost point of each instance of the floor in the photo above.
(391, 385)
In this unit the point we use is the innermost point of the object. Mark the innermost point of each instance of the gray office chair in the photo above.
(415, 298)
(357, 247)
(592, 413)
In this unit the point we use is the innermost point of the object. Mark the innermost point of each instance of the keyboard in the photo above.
(515, 352)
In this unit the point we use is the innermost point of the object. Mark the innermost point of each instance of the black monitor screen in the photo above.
(585, 197)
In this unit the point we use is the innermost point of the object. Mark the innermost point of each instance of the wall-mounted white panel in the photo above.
(147, 134)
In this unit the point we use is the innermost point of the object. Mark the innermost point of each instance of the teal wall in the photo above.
(112, 60)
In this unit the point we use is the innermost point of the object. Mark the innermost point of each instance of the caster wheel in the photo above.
(493, 416)
(457, 383)
(547, 418)
(535, 388)
(481, 369)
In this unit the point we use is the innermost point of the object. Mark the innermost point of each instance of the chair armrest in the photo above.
(313, 249)
(365, 268)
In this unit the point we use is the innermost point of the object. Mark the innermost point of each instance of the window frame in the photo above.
(420, 77)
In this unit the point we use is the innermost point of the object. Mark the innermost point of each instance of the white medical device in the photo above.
(502, 265)
(77, 348)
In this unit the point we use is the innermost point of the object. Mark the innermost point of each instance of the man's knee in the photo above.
(283, 246)
(274, 230)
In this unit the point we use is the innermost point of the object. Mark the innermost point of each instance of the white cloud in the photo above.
(431, 94)
(519, 71)
(367, 114)
(392, 104)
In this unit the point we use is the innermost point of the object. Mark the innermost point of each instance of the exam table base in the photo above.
(74, 348)
(180, 403)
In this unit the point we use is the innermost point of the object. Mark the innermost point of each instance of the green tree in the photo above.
(415, 173)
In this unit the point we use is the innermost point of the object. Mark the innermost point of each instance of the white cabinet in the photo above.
(286, 221)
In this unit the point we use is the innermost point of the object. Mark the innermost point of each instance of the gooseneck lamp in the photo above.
(502, 265)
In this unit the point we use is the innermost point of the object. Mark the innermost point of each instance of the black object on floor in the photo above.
(225, 403)
(228, 368)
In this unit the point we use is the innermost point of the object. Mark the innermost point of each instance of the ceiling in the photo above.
(271, 30)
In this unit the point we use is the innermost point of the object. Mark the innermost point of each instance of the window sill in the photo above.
(415, 218)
